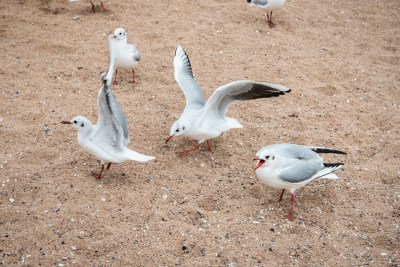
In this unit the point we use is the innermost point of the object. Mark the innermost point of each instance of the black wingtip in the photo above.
(333, 165)
(328, 150)
(103, 77)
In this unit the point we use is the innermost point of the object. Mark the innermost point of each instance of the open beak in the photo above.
(260, 163)
(169, 138)
(115, 36)
(66, 122)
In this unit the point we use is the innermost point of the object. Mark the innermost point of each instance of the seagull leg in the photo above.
(115, 77)
(209, 147)
(98, 176)
(186, 151)
(102, 6)
(133, 76)
(270, 23)
(290, 215)
(93, 8)
(108, 166)
(280, 198)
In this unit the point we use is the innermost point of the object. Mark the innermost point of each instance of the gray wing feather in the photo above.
(242, 90)
(111, 117)
(135, 52)
(300, 171)
(184, 77)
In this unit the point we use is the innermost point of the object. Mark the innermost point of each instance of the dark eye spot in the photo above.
(75, 122)
(183, 128)
(267, 157)
(177, 130)
(82, 124)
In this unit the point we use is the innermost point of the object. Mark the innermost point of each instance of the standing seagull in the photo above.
(121, 54)
(93, 8)
(269, 5)
(290, 166)
(203, 120)
(108, 139)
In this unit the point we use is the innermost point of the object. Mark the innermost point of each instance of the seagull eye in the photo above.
(82, 124)
(75, 122)
(183, 128)
(177, 130)
(267, 157)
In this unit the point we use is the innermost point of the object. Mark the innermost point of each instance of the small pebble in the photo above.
(77, 17)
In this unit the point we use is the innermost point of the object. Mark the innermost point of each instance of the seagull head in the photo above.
(80, 122)
(119, 34)
(266, 157)
(177, 129)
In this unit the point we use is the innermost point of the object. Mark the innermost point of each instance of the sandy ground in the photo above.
(340, 58)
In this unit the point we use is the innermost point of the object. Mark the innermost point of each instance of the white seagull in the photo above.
(108, 139)
(269, 5)
(203, 120)
(93, 8)
(290, 166)
(121, 54)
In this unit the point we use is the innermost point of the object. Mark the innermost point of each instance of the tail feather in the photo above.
(132, 155)
(326, 172)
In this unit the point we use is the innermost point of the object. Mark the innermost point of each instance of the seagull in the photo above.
(269, 5)
(203, 120)
(121, 54)
(108, 139)
(291, 166)
(93, 8)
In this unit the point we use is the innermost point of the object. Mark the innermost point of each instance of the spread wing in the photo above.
(112, 121)
(220, 100)
(184, 77)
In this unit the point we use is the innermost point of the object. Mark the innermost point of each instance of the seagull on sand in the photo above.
(121, 54)
(93, 8)
(203, 120)
(290, 166)
(108, 139)
(269, 6)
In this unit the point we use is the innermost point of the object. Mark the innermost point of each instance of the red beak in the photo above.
(169, 138)
(115, 36)
(66, 122)
(260, 163)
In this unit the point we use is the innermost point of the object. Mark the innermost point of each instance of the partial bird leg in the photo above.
(270, 23)
(115, 77)
(186, 151)
(209, 147)
(280, 198)
(98, 176)
(102, 6)
(108, 166)
(93, 8)
(290, 215)
(133, 76)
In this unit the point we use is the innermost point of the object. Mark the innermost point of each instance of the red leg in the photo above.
(270, 23)
(133, 76)
(108, 166)
(115, 77)
(280, 198)
(186, 151)
(290, 215)
(209, 147)
(102, 6)
(98, 176)
(93, 8)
